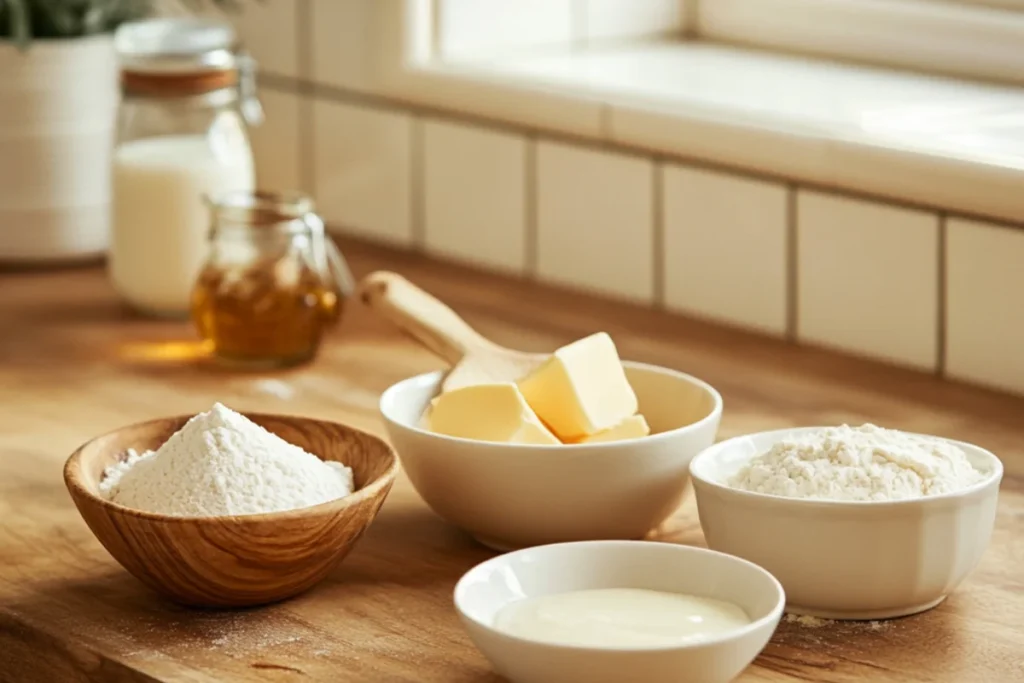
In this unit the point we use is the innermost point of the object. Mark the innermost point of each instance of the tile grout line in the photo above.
(435, 30)
(304, 38)
(578, 25)
(792, 256)
(307, 144)
(658, 236)
(306, 133)
(322, 91)
(943, 295)
(417, 185)
(691, 19)
(530, 243)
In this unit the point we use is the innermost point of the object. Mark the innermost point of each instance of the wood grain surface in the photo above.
(74, 364)
(234, 561)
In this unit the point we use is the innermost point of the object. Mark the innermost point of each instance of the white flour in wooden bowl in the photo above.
(864, 463)
(222, 463)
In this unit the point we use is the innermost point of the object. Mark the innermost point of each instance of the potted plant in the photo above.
(58, 102)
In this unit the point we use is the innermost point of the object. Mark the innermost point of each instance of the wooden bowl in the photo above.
(234, 561)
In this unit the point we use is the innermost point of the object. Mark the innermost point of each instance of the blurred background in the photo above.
(837, 173)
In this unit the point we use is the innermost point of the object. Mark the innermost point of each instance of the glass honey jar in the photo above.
(273, 282)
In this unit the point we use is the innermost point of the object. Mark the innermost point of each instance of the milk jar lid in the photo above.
(179, 45)
(184, 56)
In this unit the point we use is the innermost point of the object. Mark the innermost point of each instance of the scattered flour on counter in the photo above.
(807, 621)
(864, 463)
(222, 463)
(275, 387)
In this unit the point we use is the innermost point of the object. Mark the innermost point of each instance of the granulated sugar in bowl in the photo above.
(222, 463)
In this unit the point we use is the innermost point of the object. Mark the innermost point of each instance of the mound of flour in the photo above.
(864, 463)
(222, 463)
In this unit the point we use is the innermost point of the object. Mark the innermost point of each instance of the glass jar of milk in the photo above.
(182, 137)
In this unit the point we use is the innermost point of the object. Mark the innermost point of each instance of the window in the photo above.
(972, 38)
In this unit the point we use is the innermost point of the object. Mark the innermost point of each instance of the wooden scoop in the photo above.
(474, 358)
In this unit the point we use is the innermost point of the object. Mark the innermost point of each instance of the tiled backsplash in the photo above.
(474, 197)
(362, 169)
(868, 278)
(726, 248)
(903, 285)
(595, 214)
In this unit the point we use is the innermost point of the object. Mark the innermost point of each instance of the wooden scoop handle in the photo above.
(419, 314)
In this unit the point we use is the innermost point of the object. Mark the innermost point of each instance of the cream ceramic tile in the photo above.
(343, 42)
(362, 170)
(475, 195)
(632, 18)
(984, 315)
(867, 278)
(276, 142)
(595, 223)
(269, 31)
(467, 27)
(725, 249)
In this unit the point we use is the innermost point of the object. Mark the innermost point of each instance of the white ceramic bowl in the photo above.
(511, 496)
(848, 560)
(561, 568)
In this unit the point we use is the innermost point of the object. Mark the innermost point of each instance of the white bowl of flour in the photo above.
(855, 522)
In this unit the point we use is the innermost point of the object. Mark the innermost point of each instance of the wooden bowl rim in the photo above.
(73, 475)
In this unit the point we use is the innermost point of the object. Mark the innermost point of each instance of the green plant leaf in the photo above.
(26, 20)
(18, 25)
(61, 16)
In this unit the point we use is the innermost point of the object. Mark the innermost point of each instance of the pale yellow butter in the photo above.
(633, 427)
(488, 412)
(581, 390)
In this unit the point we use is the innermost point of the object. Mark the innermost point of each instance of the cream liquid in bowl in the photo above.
(620, 618)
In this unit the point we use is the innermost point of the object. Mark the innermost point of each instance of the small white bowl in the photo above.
(512, 496)
(848, 560)
(487, 588)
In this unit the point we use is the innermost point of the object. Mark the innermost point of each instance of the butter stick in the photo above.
(581, 389)
(488, 412)
(633, 427)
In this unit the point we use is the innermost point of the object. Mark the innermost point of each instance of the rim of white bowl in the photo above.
(994, 475)
(774, 615)
(428, 377)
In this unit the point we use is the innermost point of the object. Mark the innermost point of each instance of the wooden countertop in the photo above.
(73, 364)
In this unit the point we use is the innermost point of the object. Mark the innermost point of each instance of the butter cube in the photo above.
(633, 427)
(581, 389)
(488, 412)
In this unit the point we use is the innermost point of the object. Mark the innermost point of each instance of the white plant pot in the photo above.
(58, 108)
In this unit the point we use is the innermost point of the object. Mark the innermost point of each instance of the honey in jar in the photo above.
(272, 284)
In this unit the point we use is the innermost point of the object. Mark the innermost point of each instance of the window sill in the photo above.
(937, 142)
